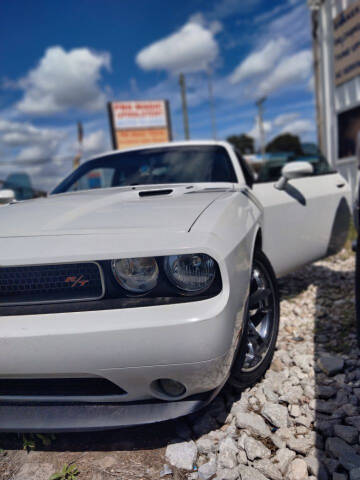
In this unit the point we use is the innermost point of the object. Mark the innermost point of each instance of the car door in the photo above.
(306, 221)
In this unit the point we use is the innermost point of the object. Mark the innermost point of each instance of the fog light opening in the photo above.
(170, 388)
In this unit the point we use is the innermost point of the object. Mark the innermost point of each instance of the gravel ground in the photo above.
(301, 421)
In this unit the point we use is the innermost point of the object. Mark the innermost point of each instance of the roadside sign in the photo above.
(136, 123)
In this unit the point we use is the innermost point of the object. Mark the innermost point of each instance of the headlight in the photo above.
(137, 275)
(192, 273)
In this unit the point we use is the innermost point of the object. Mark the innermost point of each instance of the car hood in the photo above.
(108, 210)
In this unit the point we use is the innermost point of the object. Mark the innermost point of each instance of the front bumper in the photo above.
(67, 418)
(191, 343)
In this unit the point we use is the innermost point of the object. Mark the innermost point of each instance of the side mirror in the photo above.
(6, 196)
(293, 170)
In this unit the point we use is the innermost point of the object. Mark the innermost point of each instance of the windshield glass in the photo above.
(193, 164)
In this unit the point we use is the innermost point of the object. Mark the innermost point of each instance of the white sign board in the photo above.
(139, 123)
(139, 114)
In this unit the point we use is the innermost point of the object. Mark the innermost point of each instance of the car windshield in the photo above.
(190, 164)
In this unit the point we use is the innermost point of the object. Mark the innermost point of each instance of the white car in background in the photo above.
(146, 280)
(6, 196)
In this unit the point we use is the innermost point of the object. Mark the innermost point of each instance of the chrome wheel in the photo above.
(261, 318)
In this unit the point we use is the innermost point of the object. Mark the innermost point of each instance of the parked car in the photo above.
(147, 280)
(6, 196)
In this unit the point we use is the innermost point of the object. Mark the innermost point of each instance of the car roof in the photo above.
(187, 143)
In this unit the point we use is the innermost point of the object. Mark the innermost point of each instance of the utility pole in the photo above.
(212, 105)
(184, 106)
(314, 6)
(80, 135)
(260, 106)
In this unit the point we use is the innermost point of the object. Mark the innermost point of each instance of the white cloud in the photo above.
(225, 8)
(95, 142)
(281, 58)
(260, 61)
(285, 119)
(294, 25)
(215, 26)
(311, 84)
(270, 14)
(255, 131)
(299, 127)
(291, 70)
(284, 123)
(23, 133)
(46, 154)
(36, 154)
(295, 2)
(191, 49)
(134, 87)
(31, 143)
(64, 80)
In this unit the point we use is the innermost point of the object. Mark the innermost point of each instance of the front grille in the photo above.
(63, 387)
(50, 283)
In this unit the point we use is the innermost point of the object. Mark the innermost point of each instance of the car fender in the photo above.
(235, 219)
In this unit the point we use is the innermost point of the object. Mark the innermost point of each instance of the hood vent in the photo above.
(155, 193)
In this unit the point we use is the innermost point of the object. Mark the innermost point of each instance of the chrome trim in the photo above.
(44, 302)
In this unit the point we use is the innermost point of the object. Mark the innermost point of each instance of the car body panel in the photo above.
(300, 218)
(107, 210)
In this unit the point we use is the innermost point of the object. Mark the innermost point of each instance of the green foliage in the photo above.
(46, 440)
(68, 472)
(286, 142)
(243, 143)
(29, 441)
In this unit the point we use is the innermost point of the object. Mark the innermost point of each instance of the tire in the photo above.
(263, 313)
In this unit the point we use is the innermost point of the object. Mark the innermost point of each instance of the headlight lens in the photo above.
(192, 273)
(137, 275)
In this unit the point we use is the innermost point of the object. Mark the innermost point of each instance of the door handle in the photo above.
(340, 185)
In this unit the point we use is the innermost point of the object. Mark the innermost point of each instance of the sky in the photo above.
(61, 61)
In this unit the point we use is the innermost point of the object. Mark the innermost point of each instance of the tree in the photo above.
(286, 142)
(243, 143)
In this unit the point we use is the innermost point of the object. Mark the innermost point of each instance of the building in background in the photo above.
(139, 123)
(336, 35)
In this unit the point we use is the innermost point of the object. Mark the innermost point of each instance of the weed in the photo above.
(29, 441)
(68, 472)
(46, 439)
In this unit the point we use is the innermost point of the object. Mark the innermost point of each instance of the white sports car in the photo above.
(146, 280)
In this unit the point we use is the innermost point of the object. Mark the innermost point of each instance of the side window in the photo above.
(269, 169)
(96, 178)
(320, 164)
